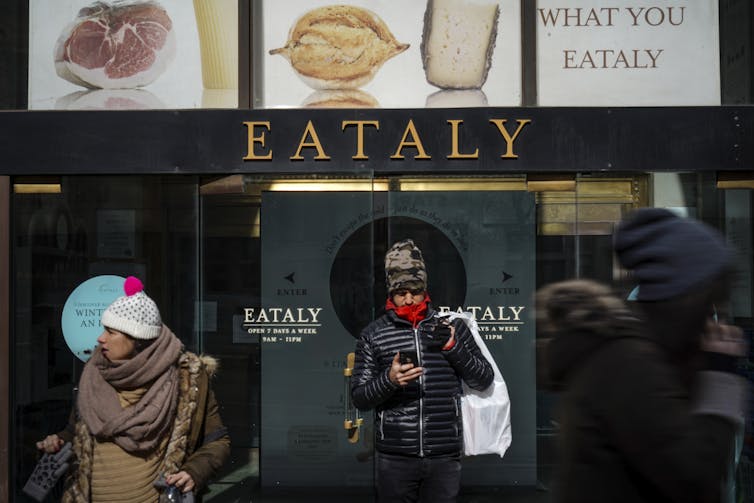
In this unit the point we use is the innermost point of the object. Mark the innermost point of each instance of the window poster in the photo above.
(627, 53)
(80, 320)
(388, 53)
(133, 54)
(323, 282)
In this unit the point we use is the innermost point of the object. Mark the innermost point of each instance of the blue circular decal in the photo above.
(83, 310)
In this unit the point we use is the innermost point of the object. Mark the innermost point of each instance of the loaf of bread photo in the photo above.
(339, 47)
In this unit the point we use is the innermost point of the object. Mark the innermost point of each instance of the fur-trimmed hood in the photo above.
(193, 361)
(210, 363)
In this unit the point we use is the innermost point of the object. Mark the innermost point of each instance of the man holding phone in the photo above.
(409, 366)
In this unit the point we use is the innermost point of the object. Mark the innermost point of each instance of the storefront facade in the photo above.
(260, 233)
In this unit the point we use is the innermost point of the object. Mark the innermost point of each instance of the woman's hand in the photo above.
(725, 339)
(50, 444)
(181, 480)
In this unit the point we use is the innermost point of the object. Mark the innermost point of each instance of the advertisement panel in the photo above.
(133, 54)
(388, 53)
(627, 53)
(323, 281)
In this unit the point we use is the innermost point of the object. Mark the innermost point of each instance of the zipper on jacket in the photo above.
(382, 425)
(421, 391)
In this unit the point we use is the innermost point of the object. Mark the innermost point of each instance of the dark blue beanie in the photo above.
(668, 254)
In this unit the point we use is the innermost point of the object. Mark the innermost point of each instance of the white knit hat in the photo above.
(134, 314)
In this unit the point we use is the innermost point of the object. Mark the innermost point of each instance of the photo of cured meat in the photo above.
(122, 45)
(153, 46)
(339, 46)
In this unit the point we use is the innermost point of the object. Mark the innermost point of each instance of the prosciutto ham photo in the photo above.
(122, 45)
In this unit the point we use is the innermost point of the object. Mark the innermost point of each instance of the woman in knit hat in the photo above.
(651, 401)
(145, 416)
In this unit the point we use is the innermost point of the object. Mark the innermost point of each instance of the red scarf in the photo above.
(413, 312)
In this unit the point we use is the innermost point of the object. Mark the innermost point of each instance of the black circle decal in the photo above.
(357, 276)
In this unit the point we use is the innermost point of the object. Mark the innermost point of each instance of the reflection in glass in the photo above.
(340, 98)
(219, 98)
(109, 99)
(450, 98)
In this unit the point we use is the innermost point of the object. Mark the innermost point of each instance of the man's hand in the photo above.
(50, 444)
(181, 480)
(441, 338)
(403, 374)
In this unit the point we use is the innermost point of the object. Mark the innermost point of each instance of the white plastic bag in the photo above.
(486, 414)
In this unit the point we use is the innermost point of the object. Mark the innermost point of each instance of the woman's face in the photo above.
(116, 345)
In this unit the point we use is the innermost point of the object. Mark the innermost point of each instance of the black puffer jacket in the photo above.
(423, 418)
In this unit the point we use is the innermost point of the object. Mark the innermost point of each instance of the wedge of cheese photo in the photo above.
(458, 41)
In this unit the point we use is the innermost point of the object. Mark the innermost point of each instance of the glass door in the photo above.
(287, 280)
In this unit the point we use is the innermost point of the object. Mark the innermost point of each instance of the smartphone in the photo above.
(408, 356)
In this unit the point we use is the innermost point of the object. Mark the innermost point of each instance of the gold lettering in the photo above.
(500, 123)
(360, 156)
(454, 154)
(416, 143)
(250, 154)
(315, 143)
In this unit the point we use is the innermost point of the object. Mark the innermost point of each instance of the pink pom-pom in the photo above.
(133, 285)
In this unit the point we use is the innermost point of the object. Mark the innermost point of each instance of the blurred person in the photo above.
(145, 416)
(651, 403)
(419, 435)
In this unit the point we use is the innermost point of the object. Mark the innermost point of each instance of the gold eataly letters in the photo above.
(258, 150)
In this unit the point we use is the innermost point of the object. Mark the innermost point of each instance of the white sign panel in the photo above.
(132, 54)
(390, 53)
(627, 53)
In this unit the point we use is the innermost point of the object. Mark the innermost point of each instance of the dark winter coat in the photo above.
(422, 418)
(633, 428)
(199, 442)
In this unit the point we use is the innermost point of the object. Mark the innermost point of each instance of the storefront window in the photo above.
(69, 230)
(274, 264)
(276, 276)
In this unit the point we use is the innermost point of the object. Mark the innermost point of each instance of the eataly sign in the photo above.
(258, 149)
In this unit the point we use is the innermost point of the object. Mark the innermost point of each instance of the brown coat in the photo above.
(199, 443)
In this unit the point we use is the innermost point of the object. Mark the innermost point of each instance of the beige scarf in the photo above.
(140, 427)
